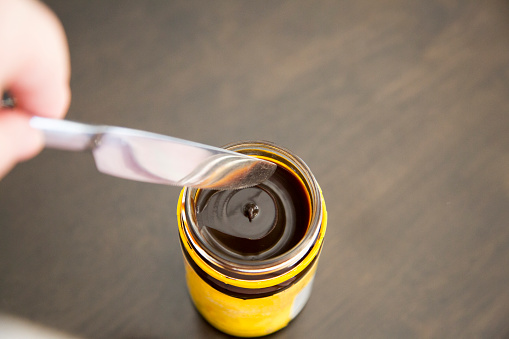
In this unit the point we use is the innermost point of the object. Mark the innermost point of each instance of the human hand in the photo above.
(35, 69)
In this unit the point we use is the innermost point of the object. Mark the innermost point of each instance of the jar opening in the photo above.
(280, 228)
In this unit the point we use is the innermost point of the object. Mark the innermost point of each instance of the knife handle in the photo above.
(67, 135)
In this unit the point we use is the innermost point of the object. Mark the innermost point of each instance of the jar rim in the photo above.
(271, 266)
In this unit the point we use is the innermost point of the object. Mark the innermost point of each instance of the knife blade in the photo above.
(155, 158)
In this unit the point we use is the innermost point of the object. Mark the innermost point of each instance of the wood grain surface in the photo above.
(399, 107)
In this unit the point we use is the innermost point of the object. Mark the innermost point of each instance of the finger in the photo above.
(18, 141)
(34, 60)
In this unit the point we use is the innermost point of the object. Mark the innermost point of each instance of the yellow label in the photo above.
(248, 317)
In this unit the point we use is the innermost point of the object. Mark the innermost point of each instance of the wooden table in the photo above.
(400, 108)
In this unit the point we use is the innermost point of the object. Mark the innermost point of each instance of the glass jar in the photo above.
(251, 255)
